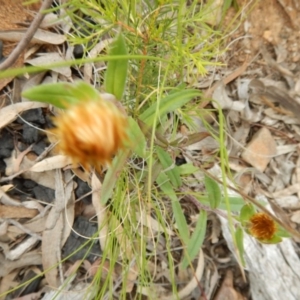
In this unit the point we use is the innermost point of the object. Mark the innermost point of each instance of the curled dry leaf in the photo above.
(51, 58)
(40, 37)
(51, 163)
(227, 290)
(187, 290)
(21, 248)
(9, 113)
(225, 102)
(88, 67)
(32, 258)
(58, 226)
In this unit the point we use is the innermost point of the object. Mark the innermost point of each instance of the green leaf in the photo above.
(170, 169)
(274, 240)
(213, 192)
(62, 94)
(116, 73)
(187, 169)
(163, 182)
(196, 240)
(170, 103)
(246, 213)
(236, 203)
(137, 138)
(239, 237)
(282, 232)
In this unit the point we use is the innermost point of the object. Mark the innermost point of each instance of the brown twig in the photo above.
(27, 37)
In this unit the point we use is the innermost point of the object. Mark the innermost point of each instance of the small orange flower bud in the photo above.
(91, 132)
(262, 226)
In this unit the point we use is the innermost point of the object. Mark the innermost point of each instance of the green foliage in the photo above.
(170, 169)
(116, 73)
(246, 213)
(196, 240)
(62, 94)
(213, 192)
(181, 223)
(137, 139)
(169, 103)
(239, 237)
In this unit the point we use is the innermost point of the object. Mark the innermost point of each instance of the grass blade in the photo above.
(213, 192)
(181, 223)
(196, 240)
(168, 104)
(172, 170)
(116, 73)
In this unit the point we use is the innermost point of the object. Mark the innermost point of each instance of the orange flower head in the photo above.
(262, 226)
(91, 132)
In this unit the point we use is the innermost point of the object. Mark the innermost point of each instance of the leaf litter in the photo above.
(249, 106)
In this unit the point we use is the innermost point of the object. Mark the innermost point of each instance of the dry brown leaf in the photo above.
(9, 113)
(51, 20)
(220, 95)
(51, 58)
(46, 179)
(260, 150)
(88, 67)
(296, 217)
(187, 290)
(15, 212)
(227, 290)
(40, 37)
(68, 291)
(51, 163)
(35, 226)
(22, 248)
(32, 258)
(7, 200)
(58, 226)
(8, 282)
(100, 210)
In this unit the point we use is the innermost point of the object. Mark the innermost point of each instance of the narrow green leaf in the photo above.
(169, 166)
(187, 169)
(246, 213)
(282, 232)
(236, 203)
(180, 220)
(196, 240)
(274, 240)
(62, 94)
(239, 237)
(116, 73)
(137, 138)
(160, 140)
(170, 103)
(213, 192)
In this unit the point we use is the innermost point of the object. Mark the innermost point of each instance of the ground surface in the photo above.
(261, 115)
